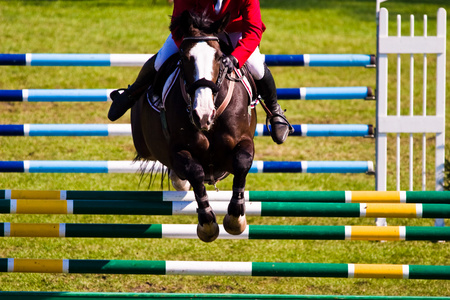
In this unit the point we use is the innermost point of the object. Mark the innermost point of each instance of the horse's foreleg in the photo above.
(235, 222)
(186, 168)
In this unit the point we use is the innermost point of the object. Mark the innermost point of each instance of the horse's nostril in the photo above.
(196, 118)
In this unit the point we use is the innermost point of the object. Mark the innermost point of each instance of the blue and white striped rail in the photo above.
(65, 130)
(347, 130)
(322, 130)
(74, 166)
(102, 95)
(137, 60)
(326, 93)
(56, 95)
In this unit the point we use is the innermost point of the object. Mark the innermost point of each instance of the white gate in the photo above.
(412, 124)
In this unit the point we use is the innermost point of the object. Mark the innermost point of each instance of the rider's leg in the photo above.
(268, 91)
(266, 88)
(125, 100)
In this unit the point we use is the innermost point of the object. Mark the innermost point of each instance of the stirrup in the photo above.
(271, 116)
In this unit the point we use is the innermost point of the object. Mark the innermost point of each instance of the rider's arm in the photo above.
(252, 30)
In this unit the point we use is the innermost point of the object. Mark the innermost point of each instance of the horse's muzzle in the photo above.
(203, 120)
(204, 111)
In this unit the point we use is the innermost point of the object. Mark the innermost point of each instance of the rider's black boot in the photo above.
(268, 91)
(125, 100)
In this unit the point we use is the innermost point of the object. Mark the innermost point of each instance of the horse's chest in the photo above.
(205, 146)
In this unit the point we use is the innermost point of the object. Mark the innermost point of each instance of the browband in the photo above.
(201, 38)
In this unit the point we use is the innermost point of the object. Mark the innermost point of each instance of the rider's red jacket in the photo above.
(245, 17)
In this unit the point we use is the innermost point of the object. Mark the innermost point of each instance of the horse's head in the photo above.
(201, 59)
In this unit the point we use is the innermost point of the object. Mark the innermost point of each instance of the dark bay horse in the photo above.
(206, 128)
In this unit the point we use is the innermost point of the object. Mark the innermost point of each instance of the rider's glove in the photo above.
(230, 62)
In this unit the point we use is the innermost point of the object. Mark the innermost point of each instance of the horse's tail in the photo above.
(151, 171)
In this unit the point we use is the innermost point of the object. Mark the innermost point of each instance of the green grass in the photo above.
(141, 27)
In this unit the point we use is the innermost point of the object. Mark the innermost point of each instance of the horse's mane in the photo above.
(190, 23)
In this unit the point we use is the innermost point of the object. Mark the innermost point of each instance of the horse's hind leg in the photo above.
(178, 183)
(235, 221)
(186, 167)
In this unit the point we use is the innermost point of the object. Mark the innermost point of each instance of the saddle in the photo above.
(169, 73)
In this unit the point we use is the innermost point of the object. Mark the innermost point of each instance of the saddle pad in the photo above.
(157, 102)
(245, 82)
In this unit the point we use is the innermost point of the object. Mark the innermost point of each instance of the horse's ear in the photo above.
(220, 25)
(186, 19)
(181, 25)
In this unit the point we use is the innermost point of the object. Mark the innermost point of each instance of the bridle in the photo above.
(200, 82)
(188, 89)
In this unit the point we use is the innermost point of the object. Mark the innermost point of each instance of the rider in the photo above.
(245, 30)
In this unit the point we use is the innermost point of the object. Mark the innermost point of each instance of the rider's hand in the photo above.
(230, 62)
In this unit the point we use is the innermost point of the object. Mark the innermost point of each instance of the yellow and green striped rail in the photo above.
(442, 197)
(265, 209)
(252, 232)
(225, 268)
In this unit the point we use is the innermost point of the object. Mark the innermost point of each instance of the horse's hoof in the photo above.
(208, 232)
(233, 225)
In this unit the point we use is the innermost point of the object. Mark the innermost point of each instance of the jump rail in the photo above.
(102, 95)
(137, 60)
(440, 197)
(201, 268)
(123, 166)
(317, 130)
(264, 209)
(175, 296)
(252, 232)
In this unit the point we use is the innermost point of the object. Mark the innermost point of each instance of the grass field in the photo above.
(293, 27)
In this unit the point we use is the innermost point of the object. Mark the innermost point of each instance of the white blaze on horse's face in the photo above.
(203, 105)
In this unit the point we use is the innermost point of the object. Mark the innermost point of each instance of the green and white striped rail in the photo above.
(442, 197)
(225, 268)
(178, 296)
(252, 232)
(265, 209)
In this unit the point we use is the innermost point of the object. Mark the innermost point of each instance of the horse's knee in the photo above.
(188, 169)
(242, 162)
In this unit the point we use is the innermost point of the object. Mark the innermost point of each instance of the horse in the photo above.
(205, 130)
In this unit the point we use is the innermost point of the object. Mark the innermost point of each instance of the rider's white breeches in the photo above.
(255, 62)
